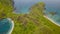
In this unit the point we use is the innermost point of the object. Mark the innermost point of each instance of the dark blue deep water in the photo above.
(5, 26)
(22, 6)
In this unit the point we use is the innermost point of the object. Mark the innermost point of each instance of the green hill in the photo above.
(32, 23)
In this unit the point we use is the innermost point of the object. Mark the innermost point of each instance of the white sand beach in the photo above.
(51, 20)
(12, 26)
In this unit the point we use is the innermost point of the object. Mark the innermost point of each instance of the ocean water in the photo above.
(5, 26)
(53, 6)
(22, 6)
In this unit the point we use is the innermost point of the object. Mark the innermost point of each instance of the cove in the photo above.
(6, 26)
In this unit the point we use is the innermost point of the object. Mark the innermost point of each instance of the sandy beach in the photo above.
(51, 20)
(12, 25)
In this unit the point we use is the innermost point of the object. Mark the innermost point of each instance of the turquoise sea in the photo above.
(5, 26)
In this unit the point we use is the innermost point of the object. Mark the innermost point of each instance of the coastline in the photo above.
(12, 26)
(51, 20)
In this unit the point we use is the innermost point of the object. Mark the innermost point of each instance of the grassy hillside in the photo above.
(32, 23)
(5, 8)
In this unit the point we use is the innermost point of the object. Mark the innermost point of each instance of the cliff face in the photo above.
(6, 7)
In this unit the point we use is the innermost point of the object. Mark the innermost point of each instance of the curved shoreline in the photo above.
(12, 26)
(51, 20)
